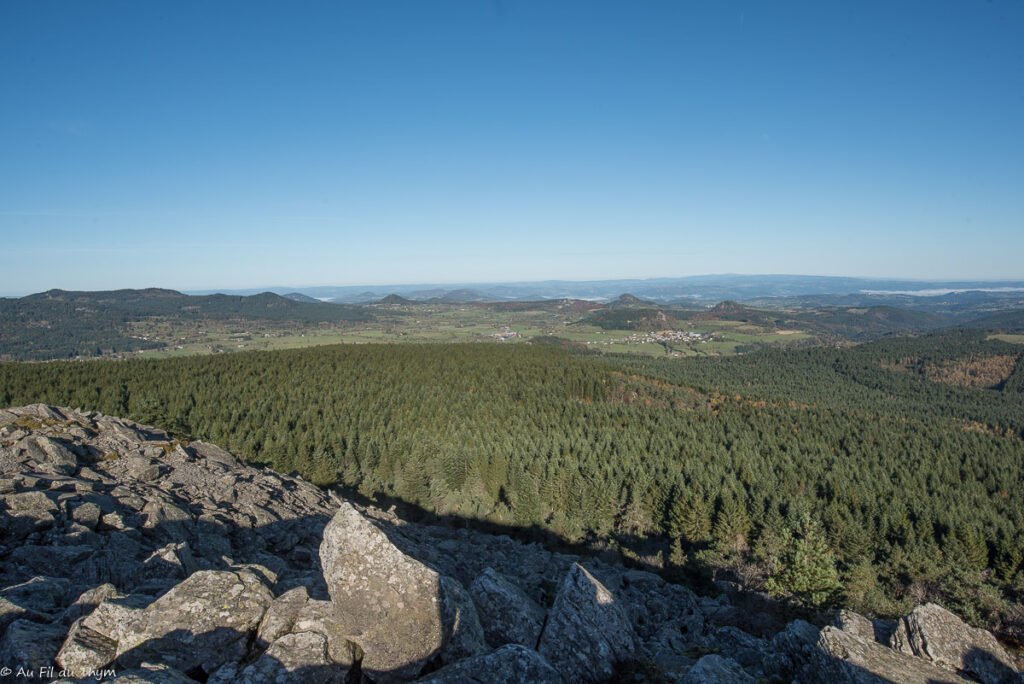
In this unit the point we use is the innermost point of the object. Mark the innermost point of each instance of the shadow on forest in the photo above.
(642, 550)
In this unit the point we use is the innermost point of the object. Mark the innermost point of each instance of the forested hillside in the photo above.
(58, 324)
(894, 485)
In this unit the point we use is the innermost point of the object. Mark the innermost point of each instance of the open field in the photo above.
(1012, 339)
(458, 323)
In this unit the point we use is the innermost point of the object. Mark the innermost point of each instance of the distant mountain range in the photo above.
(692, 290)
(62, 324)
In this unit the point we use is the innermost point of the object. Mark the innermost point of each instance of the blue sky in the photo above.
(223, 144)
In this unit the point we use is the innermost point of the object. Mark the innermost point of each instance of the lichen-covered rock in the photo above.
(507, 614)
(321, 617)
(746, 649)
(850, 658)
(201, 623)
(855, 624)
(92, 641)
(587, 631)
(9, 612)
(280, 616)
(85, 650)
(510, 664)
(87, 514)
(55, 456)
(933, 633)
(39, 594)
(832, 655)
(393, 606)
(865, 628)
(31, 645)
(300, 657)
(87, 602)
(461, 622)
(27, 512)
(149, 673)
(142, 468)
(714, 669)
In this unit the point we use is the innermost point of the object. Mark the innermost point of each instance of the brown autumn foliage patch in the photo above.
(974, 371)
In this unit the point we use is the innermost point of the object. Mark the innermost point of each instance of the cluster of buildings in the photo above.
(658, 337)
(506, 334)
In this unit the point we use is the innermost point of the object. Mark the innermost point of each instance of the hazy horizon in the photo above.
(925, 287)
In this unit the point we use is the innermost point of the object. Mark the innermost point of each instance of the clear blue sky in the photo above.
(240, 144)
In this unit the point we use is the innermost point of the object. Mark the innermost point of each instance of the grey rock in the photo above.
(202, 623)
(791, 649)
(745, 649)
(714, 669)
(142, 468)
(92, 641)
(850, 658)
(149, 673)
(865, 628)
(9, 612)
(510, 664)
(832, 655)
(935, 634)
(855, 624)
(39, 559)
(87, 514)
(294, 657)
(57, 456)
(166, 521)
(30, 644)
(587, 631)
(214, 454)
(507, 614)
(39, 594)
(29, 512)
(280, 616)
(85, 650)
(321, 617)
(461, 622)
(87, 602)
(173, 561)
(393, 606)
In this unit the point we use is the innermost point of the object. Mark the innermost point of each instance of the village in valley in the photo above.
(656, 337)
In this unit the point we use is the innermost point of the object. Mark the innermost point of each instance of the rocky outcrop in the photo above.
(714, 669)
(510, 664)
(176, 563)
(300, 657)
(933, 633)
(197, 626)
(400, 612)
(587, 631)
(509, 616)
(803, 652)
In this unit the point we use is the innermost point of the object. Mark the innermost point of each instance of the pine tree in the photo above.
(808, 571)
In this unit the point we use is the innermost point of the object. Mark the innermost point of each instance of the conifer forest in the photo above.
(875, 477)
